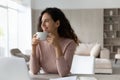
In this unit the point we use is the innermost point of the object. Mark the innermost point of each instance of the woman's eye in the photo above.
(47, 20)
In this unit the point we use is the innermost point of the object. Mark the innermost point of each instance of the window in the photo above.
(15, 27)
(3, 30)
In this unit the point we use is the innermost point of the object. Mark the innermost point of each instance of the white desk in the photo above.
(97, 76)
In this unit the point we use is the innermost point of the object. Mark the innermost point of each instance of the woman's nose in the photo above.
(43, 24)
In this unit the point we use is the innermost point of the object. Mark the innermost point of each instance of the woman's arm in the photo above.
(63, 58)
(64, 62)
(35, 56)
(34, 61)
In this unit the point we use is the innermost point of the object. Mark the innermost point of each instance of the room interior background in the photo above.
(87, 23)
(86, 18)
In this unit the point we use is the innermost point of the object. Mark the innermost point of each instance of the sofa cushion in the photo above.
(103, 64)
(95, 50)
(84, 49)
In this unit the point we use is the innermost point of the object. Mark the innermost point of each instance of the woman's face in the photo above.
(48, 23)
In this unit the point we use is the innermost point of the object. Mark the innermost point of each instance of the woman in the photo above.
(55, 54)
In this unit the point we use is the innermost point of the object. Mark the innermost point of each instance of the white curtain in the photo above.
(15, 27)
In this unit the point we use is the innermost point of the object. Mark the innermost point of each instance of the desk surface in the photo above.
(97, 76)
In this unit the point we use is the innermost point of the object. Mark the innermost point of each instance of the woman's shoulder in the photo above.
(67, 40)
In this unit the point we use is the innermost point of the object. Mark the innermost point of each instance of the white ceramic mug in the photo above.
(41, 35)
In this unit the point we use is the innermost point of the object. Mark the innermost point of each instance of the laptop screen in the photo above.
(12, 68)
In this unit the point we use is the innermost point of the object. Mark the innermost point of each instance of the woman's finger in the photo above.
(34, 36)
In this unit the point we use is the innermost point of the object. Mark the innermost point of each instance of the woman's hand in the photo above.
(53, 39)
(35, 41)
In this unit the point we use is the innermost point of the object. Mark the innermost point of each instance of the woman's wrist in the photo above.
(34, 45)
(33, 50)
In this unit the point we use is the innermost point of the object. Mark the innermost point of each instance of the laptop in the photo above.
(12, 68)
(82, 65)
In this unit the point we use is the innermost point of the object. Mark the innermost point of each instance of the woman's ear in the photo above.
(57, 23)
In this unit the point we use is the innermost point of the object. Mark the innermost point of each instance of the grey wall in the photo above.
(87, 23)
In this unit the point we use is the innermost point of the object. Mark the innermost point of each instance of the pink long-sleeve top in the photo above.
(46, 59)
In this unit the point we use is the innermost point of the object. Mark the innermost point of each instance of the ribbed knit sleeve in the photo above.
(64, 62)
(35, 61)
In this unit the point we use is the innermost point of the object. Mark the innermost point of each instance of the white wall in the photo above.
(35, 17)
(87, 23)
(75, 4)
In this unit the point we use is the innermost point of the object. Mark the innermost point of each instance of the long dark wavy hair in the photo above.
(64, 30)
